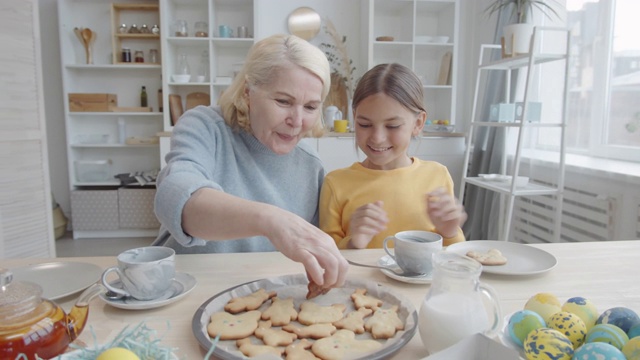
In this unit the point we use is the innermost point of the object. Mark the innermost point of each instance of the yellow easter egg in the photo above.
(545, 304)
(117, 354)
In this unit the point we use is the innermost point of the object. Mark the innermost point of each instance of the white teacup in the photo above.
(413, 250)
(146, 273)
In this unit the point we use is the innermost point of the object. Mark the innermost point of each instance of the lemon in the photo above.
(117, 354)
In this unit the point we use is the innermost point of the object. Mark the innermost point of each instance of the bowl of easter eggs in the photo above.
(574, 330)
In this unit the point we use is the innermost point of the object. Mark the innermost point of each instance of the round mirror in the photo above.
(304, 22)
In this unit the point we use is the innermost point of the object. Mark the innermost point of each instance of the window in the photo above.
(604, 79)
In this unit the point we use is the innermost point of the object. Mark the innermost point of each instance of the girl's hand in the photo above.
(445, 212)
(367, 221)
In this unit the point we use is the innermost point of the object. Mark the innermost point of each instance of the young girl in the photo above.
(389, 191)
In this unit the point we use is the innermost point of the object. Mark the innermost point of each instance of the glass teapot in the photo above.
(454, 307)
(33, 326)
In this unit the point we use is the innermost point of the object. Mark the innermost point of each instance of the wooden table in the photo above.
(605, 272)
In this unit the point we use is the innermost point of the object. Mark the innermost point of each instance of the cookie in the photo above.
(315, 290)
(249, 302)
(252, 350)
(354, 320)
(273, 337)
(343, 345)
(233, 327)
(281, 312)
(384, 323)
(312, 313)
(491, 258)
(298, 351)
(361, 300)
(316, 331)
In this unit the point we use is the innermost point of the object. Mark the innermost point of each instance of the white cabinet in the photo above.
(111, 141)
(212, 59)
(525, 120)
(338, 152)
(425, 39)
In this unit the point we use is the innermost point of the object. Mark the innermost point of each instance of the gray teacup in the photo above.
(413, 250)
(145, 273)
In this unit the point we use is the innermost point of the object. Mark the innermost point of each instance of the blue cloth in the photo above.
(207, 153)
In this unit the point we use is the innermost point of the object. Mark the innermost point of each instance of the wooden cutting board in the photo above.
(175, 107)
(197, 98)
(445, 70)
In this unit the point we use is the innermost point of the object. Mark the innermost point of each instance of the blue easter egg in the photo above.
(607, 333)
(521, 323)
(598, 351)
(632, 349)
(634, 331)
(545, 343)
(621, 317)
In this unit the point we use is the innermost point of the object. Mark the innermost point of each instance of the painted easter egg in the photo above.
(607, 333)
(598, 351)
(632, 349)
(545, 343)
(545, 304)
(584, 308)
(634, 331)
(570, 325)
(621, 317)
(118, 354)
(521, 323)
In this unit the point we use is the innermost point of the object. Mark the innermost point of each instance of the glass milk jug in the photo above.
(454, 307)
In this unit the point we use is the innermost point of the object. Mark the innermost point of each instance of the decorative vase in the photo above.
(517, 39)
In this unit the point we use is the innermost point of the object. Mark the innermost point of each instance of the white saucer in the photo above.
(387, 261)
(182, 284)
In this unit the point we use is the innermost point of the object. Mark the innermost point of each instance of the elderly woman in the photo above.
(237, 177)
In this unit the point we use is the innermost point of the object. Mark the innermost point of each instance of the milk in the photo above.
(447, 318)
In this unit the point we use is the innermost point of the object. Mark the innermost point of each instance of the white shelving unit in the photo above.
(419, 29)
(520, 131)
(222, 54)
(95, 136)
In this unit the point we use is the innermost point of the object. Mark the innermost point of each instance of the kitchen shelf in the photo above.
(119, 66)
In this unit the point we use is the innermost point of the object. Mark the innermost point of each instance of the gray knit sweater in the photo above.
(205, 152)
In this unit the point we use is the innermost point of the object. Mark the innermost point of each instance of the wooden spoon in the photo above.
(87, 36)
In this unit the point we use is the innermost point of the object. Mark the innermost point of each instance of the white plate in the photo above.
(387, 261)
(295, 286)
(182, 284)
(59, 279)
(521, 259)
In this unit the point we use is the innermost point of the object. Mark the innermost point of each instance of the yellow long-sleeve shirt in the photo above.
(402, 191)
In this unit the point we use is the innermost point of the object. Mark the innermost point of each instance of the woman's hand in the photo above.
(445, 212)
(367, 221)
(302, 242)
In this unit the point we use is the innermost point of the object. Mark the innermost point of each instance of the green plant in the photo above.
(522, 8)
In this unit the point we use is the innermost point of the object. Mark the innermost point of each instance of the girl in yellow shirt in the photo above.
(389, 191)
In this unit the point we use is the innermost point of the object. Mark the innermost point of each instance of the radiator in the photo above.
(586, 216)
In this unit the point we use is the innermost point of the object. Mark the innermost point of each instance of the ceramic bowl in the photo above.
(180, 78)
(440, 39)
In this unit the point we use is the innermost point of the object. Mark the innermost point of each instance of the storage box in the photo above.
(534, 111)
(93, 170)
(94, 210)
(135, 207)
(502, 112)
(476, 347)
(84, 102)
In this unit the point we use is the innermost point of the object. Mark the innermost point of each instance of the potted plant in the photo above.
(517, 36)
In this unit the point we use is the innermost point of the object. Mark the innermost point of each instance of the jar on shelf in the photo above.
(125, 55)
(155, 30)
(123, 29)
(201, 29)
(181, 28)
(203, 67)
(134, 29)
(183, 67)
(144, 29)
(138, 56)
(153, 56)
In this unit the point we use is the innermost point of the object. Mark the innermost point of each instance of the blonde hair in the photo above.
(265, 58)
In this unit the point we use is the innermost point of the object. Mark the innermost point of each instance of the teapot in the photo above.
(31, 325)
(454, 307)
